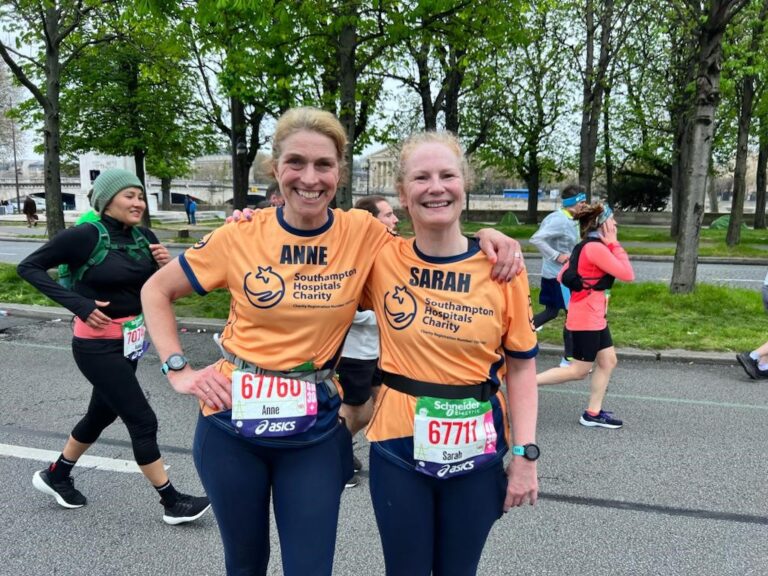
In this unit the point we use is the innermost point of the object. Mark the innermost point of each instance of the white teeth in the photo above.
(309, 194)
(436, 204)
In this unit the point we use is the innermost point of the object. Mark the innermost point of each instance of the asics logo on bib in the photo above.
(455, 468)
(265, 426)
(264, 289)
(399, 308)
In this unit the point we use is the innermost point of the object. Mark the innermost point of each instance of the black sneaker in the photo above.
(356, 464)
(602, 420)
(749, 365)
(352, 482)
(63, 491)
(186, 509)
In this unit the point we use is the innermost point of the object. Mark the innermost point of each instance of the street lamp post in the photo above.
(367, 177)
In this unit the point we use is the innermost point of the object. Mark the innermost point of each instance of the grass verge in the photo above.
(643, 315)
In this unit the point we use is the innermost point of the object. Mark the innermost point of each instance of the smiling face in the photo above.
(432, 186)
(308, 174)
(127, 206)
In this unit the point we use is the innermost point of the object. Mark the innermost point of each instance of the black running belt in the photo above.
(481, 392)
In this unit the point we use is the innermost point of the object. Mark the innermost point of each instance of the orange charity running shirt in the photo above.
(294, 292)
(443, 320)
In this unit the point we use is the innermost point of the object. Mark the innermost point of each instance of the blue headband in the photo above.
(568, 202)
(607, 213)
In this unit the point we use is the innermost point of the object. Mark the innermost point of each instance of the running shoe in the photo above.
(63, 491)
(564, 362)
(602, 420)
(352, 482)
(186, 509)
(749, 365)
(356, 464)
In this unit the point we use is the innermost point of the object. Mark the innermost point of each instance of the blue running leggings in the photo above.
(431, 526)
(306, 483)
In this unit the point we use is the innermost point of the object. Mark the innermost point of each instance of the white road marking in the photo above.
(97, 462)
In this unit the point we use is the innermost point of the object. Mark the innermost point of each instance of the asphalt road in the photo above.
(680, 490)
(748, 276)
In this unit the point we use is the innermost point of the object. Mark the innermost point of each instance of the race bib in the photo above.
(267, 406)
(452, 437)
(134, 344)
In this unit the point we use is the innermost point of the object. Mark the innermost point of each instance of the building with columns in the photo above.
(381, 172)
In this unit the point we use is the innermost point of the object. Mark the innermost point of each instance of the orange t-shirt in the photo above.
(442, 320)
(294, 292)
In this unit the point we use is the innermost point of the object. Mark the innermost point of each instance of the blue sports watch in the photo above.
(529, 452)
(174, 362)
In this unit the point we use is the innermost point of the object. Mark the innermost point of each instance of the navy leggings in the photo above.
(431, 526)
(116, 392)
(305, 482)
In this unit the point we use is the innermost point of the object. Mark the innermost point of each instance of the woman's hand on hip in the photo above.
(208, 385)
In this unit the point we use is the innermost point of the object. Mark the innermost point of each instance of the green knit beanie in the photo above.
(109, 183)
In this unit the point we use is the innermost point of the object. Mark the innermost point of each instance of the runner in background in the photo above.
(358, 371)
(755, 363)
(601, 259)
(108, 339)
(269, 429)
(450, 337)
(555, 239)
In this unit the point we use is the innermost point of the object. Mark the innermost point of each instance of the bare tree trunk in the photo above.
(239, 155)
(165, 193)
(428, 110)
(607, 149)
(762, 164)
(711, 191)
(699, 152)
(453, 88)
(138, 159)
(54, 211)
(532, 180)
(593, 89)
(745, 118)
(347, 45)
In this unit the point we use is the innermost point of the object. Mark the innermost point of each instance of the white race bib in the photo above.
(265, 405)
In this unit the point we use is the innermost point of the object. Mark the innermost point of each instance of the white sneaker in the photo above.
(564, 362)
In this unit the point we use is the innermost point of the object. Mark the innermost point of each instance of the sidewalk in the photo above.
(214, 325)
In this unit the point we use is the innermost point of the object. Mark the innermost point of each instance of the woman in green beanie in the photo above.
(110, 260)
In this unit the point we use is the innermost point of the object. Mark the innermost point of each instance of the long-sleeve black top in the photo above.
(117, 280)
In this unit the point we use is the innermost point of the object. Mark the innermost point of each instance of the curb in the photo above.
(216, 325)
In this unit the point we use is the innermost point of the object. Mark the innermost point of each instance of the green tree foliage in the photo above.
(46, 39)
(134, 96)
(641, 192)
(532, 96)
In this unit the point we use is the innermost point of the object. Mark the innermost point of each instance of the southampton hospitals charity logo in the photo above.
(399, 308)
(264, 289)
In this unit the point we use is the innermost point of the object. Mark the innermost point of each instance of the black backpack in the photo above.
(137, 250)
(571, 278)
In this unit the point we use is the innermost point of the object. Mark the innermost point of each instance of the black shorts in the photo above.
(587, 343)
(356, 378)
(551, 294)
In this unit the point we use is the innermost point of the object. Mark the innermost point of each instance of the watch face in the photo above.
(531, 451)
(176, 362)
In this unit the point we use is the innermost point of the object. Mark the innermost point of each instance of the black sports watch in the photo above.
(174, 362)
(529, 451)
